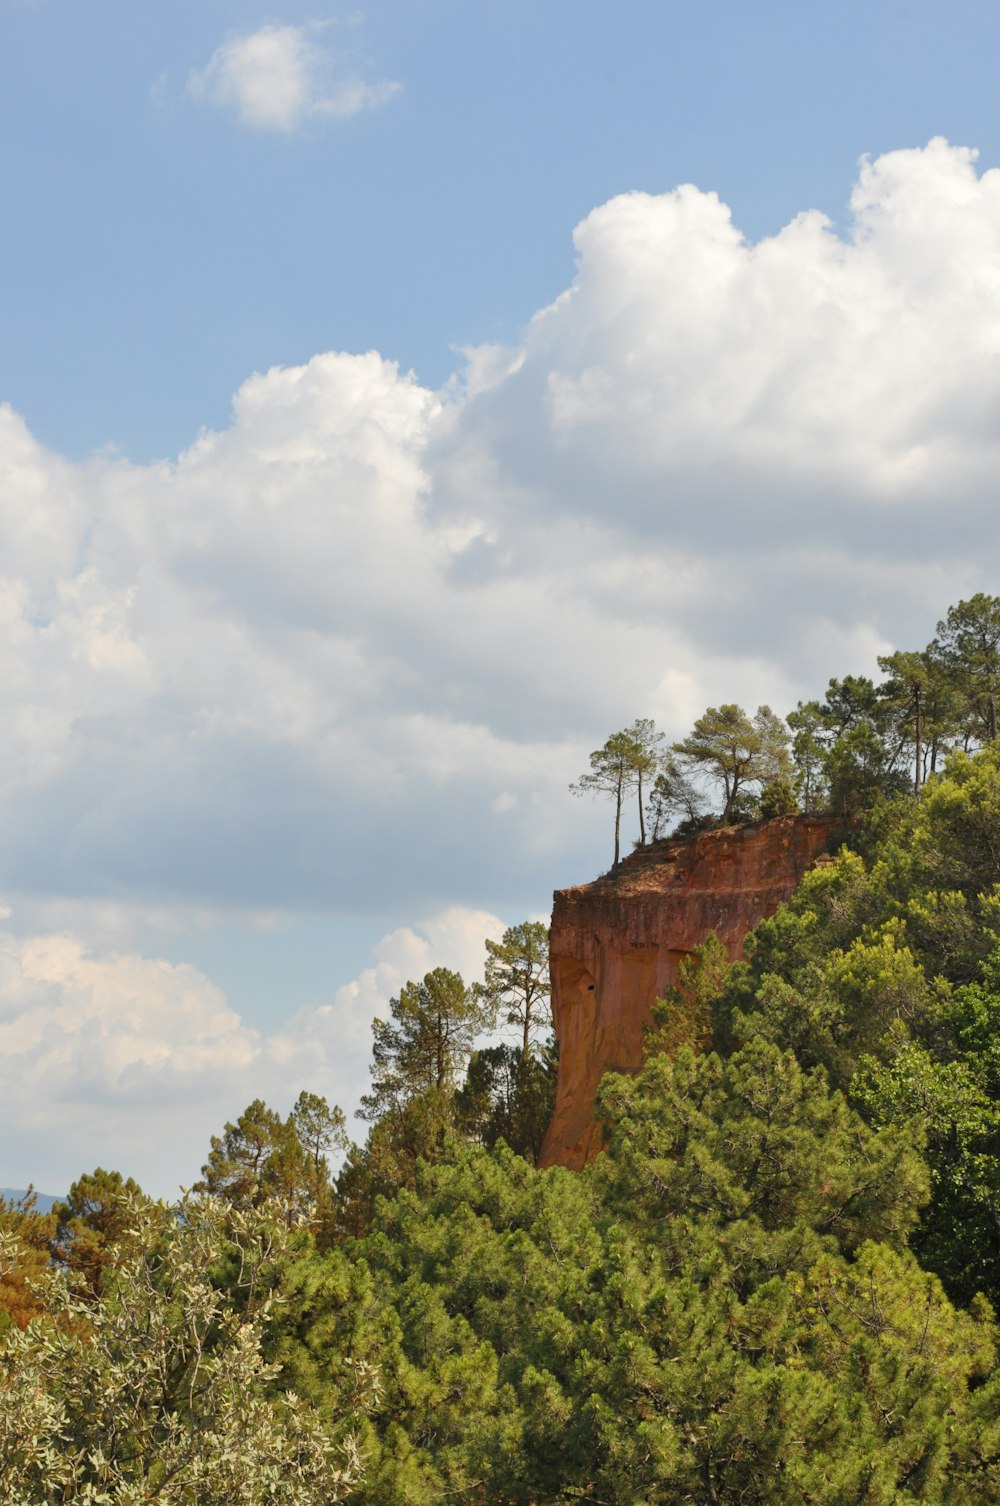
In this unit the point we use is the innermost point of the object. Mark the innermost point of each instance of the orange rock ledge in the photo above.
(616, 944)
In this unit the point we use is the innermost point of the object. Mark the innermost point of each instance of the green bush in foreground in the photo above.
(157, 1391)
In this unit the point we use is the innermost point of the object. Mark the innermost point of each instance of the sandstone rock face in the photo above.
(616, 944)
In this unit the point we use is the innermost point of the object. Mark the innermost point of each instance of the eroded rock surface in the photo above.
(616, 945)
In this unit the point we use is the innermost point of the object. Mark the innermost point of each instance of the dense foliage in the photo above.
(886, 973)
(722, 1309)
(158, 1390)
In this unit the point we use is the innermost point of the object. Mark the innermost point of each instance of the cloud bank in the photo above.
(347, 654)
(135, 1059)
(278, 78)
(351, 650)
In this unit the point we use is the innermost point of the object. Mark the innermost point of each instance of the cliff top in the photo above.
(720, 858)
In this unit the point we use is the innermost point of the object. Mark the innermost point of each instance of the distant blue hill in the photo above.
(43, 1202)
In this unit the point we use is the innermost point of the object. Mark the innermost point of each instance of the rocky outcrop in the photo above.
(616, 944)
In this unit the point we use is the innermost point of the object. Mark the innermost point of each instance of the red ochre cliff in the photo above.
(616, 943)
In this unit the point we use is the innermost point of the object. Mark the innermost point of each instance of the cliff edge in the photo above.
(616, 943)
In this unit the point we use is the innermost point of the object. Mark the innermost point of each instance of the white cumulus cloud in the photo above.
(313, 660)
(454, 939)
(113, 1057)
(279, 77)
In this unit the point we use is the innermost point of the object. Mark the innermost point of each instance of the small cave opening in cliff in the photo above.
(574, 980)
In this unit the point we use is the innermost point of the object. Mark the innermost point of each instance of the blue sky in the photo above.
(384, 425)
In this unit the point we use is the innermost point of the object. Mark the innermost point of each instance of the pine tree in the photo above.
(614, 770)
(516, 985)
(968, 647)
(735, 751)
(426, 1042)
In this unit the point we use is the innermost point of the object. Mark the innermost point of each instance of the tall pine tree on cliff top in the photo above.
(615, 769)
